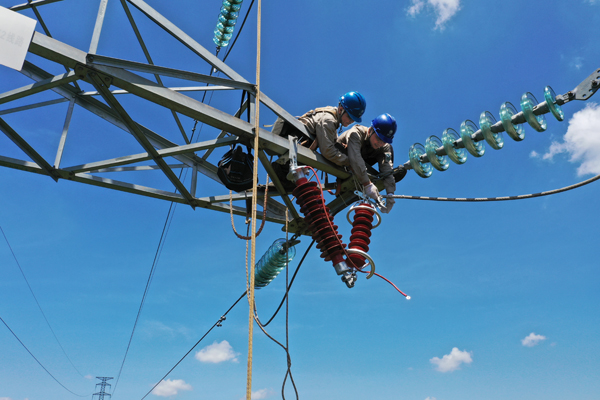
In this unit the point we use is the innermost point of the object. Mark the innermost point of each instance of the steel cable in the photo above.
(38, 303)
(38, 361)
(194, 346)
(285, 348)
(239, 31)
(164, 232)
(502, 198)
(290, 285)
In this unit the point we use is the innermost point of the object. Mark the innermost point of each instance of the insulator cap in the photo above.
(467, 129)
(439, 162)
(516, 132)
(422, 169)
(495, 140)
(550, 98)
(457, 155)
(537, 122)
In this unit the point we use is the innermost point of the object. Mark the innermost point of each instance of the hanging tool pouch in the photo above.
(235, 169)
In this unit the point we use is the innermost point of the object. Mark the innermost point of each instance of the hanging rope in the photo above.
(262, 224)
(503, 198)
(254, 189)
(262, 327)
(246, 261)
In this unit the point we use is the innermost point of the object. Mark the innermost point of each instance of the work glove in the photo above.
(389, 203)
(372, 192)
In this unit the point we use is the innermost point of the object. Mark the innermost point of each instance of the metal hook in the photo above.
(365, 255)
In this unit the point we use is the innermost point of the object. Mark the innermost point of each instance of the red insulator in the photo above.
(361, 232)
(318, 217)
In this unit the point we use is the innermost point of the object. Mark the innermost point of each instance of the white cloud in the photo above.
(430, 398)
(555, 148)
(415, 8)
(170, 387)
(451, 362)
(217, 352)
(582, 141)
(576, 63)
(261, 394)
(532, 340)
(5, 398)
(534, 154)
(443, 9)
(88, 376)
(157, 328)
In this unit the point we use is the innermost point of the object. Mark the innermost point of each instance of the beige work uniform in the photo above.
(323, 123)
(361, 154)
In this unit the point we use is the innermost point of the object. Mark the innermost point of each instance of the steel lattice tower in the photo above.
(103, 386)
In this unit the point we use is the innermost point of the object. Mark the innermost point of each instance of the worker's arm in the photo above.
(326, 133)
(386, 164)
(359, 168)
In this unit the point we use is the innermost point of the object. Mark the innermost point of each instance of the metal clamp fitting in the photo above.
(365, 255)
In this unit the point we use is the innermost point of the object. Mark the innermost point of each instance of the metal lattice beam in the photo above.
(110, 77)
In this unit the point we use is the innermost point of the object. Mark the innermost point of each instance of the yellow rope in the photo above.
(254, 197)
(264, 214)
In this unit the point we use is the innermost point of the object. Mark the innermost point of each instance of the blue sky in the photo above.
(504, 295)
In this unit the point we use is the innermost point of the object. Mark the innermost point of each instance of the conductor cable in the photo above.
(38, 303)
(289, 286)
(286, 348)
(38, 361)
(218, 323)
(502, 198)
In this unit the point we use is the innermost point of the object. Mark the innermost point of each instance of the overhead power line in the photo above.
(501, 198)
(167, 223)
(218, 323)
(38, 361)
(38, 303)
(147, 288)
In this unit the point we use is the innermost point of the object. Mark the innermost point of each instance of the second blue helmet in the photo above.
(355, 104)
(385, 127)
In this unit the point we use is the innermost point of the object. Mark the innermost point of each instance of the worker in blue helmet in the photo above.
(323, 123)
(366, 146)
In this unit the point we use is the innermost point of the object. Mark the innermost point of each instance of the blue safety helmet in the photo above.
(385, 127)
(354, 103)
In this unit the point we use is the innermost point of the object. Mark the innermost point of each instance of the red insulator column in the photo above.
(318, 217)
(361, 232)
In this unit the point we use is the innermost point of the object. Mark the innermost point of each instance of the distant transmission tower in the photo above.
(103, 386)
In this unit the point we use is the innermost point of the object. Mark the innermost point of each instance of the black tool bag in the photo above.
(236, 168)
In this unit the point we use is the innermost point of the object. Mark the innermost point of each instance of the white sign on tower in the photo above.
(16, 32)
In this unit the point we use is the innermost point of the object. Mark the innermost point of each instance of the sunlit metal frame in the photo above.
(106, 73)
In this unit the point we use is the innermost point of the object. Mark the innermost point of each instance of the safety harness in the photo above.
(288, 129)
